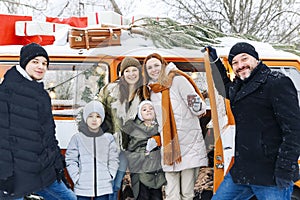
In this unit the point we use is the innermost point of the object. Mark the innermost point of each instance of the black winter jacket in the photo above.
(267, 116)
(29, 152)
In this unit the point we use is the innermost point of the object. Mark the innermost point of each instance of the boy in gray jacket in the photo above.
(92, 156)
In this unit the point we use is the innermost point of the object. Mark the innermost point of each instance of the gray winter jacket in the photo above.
(92, 162)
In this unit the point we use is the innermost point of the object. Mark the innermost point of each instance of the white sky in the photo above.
(138, 7)
(150, 8)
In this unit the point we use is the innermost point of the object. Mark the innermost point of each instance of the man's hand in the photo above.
(212, 53)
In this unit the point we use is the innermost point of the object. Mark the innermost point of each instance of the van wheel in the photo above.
(296, 193)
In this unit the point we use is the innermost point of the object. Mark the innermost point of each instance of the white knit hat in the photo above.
(93, 106)
(140, 108)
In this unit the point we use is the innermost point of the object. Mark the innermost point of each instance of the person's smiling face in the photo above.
(37, 67)
(147, 112)
(131, 75)
(243, 64)
(153, 68)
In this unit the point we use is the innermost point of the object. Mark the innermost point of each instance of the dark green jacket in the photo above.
(143, 168)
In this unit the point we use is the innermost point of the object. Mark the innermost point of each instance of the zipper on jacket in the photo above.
(95, 167)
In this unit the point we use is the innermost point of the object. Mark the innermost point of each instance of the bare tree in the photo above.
(115, 7)
(19, 6)
(274, 21)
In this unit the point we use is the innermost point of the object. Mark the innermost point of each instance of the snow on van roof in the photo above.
(265, 50)
(140, 46)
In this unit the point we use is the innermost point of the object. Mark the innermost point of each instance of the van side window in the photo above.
(74, 83)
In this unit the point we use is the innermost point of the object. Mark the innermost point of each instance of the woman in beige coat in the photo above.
(178, 105)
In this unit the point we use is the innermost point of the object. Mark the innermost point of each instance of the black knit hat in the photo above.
(30, 51)
(129, 62)
(242, 47)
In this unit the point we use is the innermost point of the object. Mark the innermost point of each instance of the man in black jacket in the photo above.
(267, 116)
(30, 158)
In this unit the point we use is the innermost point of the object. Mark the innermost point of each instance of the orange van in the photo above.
(75, 76)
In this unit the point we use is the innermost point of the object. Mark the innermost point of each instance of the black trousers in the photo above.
(147, 193)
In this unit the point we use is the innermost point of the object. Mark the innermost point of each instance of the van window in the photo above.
(74, 84)
(71, 85)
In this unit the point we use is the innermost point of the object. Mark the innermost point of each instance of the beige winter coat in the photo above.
(192, 146)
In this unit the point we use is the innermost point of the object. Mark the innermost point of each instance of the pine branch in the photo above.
(167, 33)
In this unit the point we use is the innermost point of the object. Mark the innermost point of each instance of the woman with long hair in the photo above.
(178, 104)
(121, 99)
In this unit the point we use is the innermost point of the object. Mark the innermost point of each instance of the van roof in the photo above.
(140, 46)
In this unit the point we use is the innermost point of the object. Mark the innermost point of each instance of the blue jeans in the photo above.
(56, 191)
(228, 190)
(103, 197)
(119, 177)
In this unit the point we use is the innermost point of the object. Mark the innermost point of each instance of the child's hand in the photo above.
(151, 144)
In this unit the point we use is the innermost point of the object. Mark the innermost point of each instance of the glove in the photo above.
(60, 176)
(212, 53)
(151, 144)
(283, 183)
(7, 185)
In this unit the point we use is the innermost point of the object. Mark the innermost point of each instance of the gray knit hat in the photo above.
(93, 106)
(242, 47)
(129, 62)
(30, 51)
